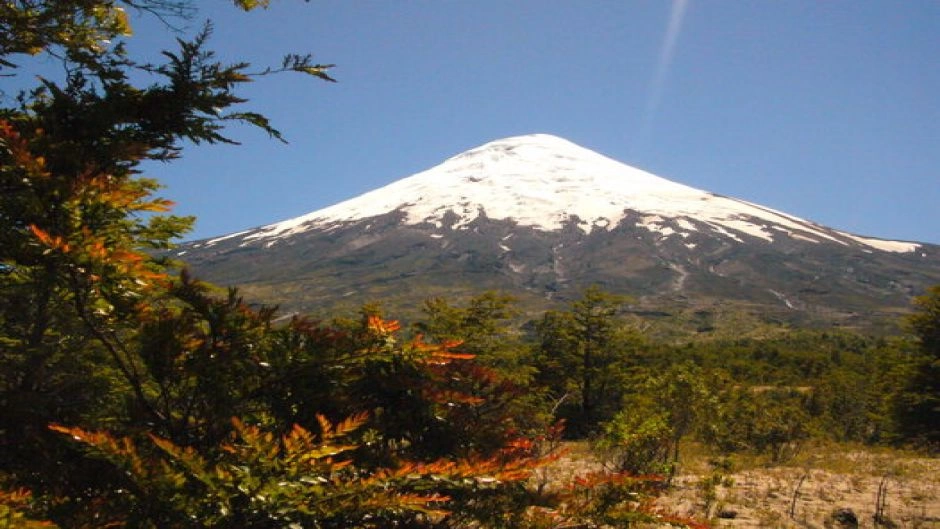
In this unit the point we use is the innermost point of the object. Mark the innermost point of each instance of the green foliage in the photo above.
(300, 479)
(925, 322)
(77, 26)
(584, 356)
(81, 30)
(367, 471)
(79, 227)
(201, 359)
(916, 405)
(846, 406)
(848, 380)
(438, 428)
(638, 441)
(766, 421)
(658, 413)
(484, 329)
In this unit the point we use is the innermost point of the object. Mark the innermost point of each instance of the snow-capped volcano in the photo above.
(541, 217)
(545, 182)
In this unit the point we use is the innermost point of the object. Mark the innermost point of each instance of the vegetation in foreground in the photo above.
(133, 398)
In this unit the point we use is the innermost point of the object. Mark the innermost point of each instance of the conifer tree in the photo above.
(917, 404)
(584, 353)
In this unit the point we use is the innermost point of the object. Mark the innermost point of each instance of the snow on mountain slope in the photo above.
(543, 181)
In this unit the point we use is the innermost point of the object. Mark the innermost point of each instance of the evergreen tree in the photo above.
(917, 404)
(584, 356)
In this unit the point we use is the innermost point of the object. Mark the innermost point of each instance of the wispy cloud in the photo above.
(655, 90)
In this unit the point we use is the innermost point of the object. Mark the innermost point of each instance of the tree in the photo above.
(925, 322)
(917, 404)
(762, 420)
(79, 225)
(266, 472)
(485, 329)
(584, 354)
(657, 414)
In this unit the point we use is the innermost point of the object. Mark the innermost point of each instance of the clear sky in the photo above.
(825, 110)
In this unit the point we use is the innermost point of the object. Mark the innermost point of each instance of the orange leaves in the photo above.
(158, 205)
(596, 479)
(132, 264)
(83, 213)
(119, 450)
(375, 324)
(97, 257)
(97, 439)
(299, 473)
(520, 445)
(451, 398)
(296, 475)
(476, 471)
(409, 501)
(12, 505)
(299, 451)
(89, 249)
(439, 354)
(329, 431)
(616, 498)
(432, 353)
(53, 242)
(90, 189)
(120, 194)
(301, 446)
(318, 472)
(97, 250)
(418, 344)
(18, 148)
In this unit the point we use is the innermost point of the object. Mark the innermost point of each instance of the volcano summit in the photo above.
(542, 217)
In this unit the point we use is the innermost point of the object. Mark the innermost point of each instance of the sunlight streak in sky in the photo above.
(655, 90)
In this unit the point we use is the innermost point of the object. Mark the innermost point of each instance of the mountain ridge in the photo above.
(559, 180)
(543, 217)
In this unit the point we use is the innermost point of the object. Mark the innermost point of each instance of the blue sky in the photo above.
(826, 110)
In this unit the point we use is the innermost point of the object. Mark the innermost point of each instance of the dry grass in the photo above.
(806, 491)
(802, 493)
